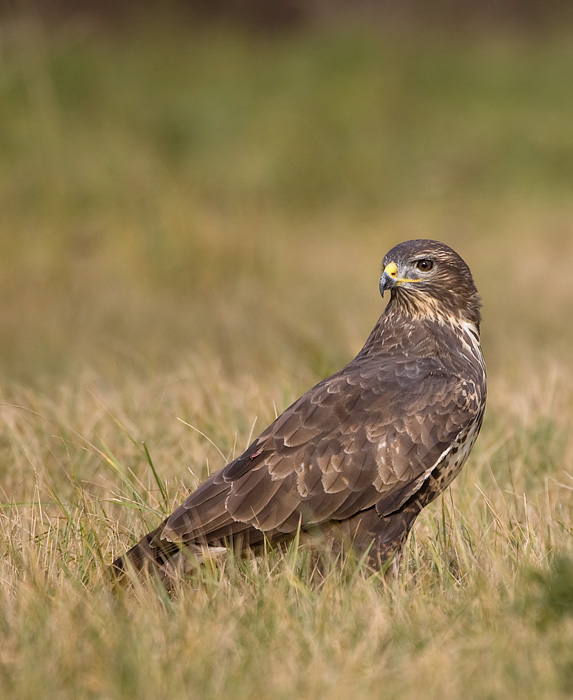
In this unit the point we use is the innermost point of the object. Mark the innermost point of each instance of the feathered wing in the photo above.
(363, 441)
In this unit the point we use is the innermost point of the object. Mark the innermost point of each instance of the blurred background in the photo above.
(195, 200)
(222, 179)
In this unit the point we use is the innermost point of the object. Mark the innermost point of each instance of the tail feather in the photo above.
(156, 555)
(148, 555)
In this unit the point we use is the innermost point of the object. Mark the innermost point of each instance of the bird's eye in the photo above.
(424, 265)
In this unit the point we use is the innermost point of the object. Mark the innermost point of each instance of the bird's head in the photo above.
(428, 278)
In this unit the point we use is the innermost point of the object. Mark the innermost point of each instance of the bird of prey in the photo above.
(360, 454)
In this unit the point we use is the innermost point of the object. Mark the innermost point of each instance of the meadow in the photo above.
(192, 221)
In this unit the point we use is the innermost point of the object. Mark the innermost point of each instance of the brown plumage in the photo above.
(361, 453)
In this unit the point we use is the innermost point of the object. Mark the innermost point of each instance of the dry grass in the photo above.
(191, 233)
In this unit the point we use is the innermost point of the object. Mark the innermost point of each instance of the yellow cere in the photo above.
(392, 270)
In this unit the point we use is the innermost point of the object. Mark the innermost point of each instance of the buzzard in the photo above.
(360, 454)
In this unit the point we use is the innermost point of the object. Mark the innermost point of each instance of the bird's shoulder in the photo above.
(374, 407)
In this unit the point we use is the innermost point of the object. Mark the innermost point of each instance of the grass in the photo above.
(191, 233)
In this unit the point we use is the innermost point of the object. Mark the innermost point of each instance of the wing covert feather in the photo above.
(366, 434)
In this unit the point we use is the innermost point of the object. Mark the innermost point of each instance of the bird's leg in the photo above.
(380, 538)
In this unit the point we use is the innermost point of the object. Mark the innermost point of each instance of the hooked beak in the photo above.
(389, 277)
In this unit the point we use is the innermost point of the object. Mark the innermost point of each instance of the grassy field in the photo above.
(192, 223)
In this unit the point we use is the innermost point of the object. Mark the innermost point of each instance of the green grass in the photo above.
(192, 227)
